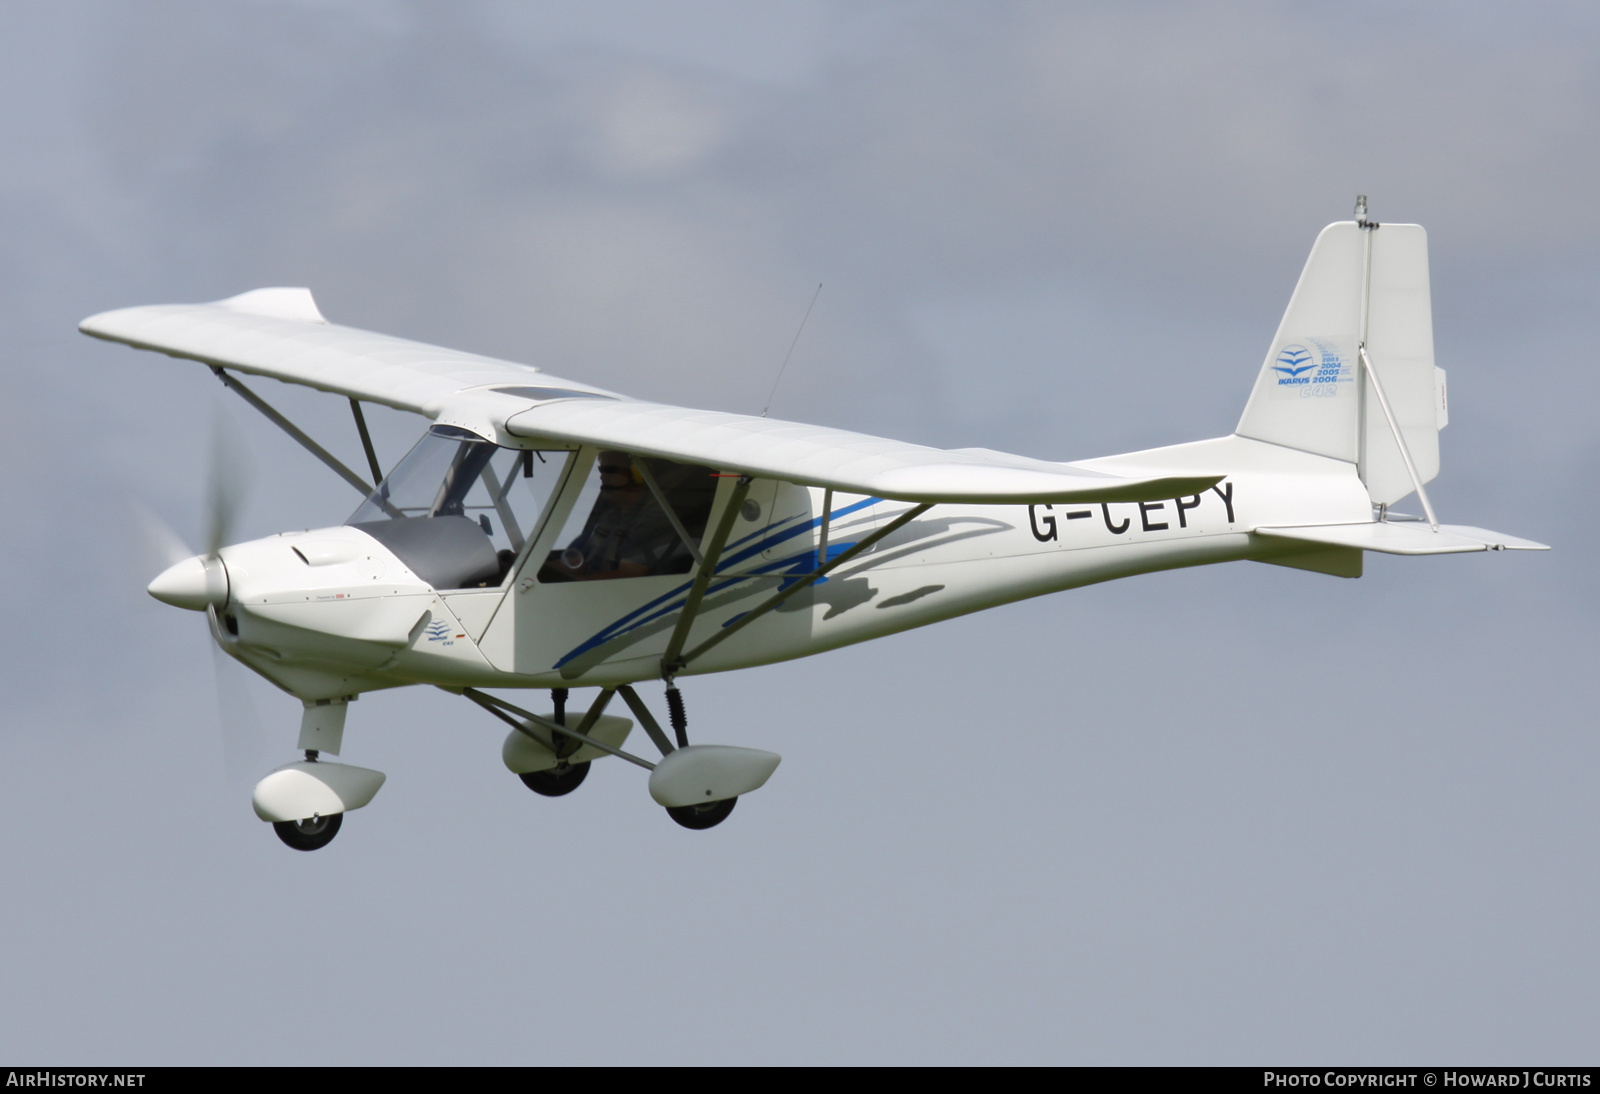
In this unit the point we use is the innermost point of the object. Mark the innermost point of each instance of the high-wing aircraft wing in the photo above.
(852, 462)
(281, 334)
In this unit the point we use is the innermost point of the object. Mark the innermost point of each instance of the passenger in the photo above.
(627, 534)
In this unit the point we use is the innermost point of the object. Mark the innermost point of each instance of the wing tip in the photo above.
(295, 304)
(276, 303)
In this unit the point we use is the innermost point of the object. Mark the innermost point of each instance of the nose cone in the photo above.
(194, 583)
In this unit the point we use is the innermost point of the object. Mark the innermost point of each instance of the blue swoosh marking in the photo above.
(733, 560)
(674, 599)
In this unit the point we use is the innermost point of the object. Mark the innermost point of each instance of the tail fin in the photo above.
(1360, 285)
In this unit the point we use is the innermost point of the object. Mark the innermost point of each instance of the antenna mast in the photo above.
(790, 354)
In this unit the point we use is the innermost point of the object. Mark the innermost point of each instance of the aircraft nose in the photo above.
(195, 583)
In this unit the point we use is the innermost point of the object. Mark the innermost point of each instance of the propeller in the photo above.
(227, 482)
(200, 582)
(159, 547)
(244, 746)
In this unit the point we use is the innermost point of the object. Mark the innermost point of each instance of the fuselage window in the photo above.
(459, 510)
(618, 527)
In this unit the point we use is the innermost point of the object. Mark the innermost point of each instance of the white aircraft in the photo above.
(547, 534)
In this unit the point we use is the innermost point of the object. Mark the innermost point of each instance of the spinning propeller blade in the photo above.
(244, 749)
(159, 547)
(227, 485)
(227, 481)
(197, 582)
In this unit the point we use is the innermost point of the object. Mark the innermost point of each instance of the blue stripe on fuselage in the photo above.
(639, 617)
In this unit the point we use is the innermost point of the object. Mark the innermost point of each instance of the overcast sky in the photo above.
(1241, 814)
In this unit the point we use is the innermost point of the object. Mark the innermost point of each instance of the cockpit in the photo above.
(461, 512)
(646, 517)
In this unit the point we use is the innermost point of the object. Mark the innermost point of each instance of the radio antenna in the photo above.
(790, 354)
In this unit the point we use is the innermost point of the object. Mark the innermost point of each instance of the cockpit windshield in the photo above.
(458, 510)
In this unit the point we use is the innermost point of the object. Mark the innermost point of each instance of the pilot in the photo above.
(627, 534)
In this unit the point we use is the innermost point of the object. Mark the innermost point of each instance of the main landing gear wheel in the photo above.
(708, 815)
(308, 835)
(553, 782)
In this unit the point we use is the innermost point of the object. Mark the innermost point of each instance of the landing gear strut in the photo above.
(675, 714)
(309, 835)
(564, 778)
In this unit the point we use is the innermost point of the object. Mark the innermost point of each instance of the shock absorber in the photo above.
(558, 697)
(680, 722)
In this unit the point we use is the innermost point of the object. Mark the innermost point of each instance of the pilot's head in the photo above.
(617, 472)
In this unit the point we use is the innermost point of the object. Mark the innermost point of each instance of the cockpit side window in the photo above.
(458, 510)
(619, 528)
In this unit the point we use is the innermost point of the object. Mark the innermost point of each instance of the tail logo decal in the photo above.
(1294, 361)
(1312, 371)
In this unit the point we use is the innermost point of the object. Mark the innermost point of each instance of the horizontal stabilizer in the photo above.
(1405, 538)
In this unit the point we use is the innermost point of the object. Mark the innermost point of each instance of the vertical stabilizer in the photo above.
(1367, 284)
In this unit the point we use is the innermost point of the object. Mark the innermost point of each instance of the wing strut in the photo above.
(670, 661)
(677, 663)
(822, 535)
(294, 431)
(646, 719)
(366, 440)
(666, 507)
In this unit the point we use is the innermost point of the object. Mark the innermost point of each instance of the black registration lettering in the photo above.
(1227, 497)
(1049, 523)
(1116, 530)
(1183, 505)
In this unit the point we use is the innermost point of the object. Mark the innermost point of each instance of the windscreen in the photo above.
(458, 509)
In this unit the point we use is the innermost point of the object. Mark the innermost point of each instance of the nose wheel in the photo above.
(698, 816)
(309, 835)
